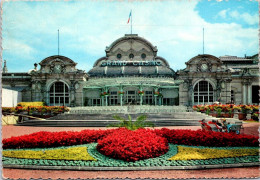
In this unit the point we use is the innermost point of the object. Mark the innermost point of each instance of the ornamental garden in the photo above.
(130, 145)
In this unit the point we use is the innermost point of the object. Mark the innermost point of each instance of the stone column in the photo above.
(141, 96)
(244, 94)
(218, 90)
(102, 100)
(155, 97)
(249, 93)
(121, 95)
(102, 97)
(72, 94)
(106, 90)
(160, 101)
(190, 93)
(106, 100)
(228, 90)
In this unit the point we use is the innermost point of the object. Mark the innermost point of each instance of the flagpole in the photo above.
(58, 42)
(203, 40)
(131, 20)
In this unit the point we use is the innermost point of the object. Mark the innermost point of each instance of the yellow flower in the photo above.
(191, 153)
(73, 153)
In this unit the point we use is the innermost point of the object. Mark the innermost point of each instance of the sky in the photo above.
(30, 29)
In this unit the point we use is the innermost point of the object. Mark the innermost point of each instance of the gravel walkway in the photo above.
(9, 131)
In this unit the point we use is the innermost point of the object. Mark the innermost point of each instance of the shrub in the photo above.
(26, 104)
(8, 109)
(129, 124)
(133, 145)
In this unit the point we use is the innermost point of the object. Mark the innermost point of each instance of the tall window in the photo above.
(255, 94)
(113, 98)
(203, 93)
(148, 98)
(232, 97)
(59, 94)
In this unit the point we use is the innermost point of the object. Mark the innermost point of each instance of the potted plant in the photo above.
(255, 108)
(255, 116)
(248, 109)
(140, 93)
(104, 94)
(242, 114)
(207, 110)
(219, 110)
(156, 93)
(121, 92)
(230, 112)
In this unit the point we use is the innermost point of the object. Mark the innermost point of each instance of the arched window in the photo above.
(59, 94)
(203, 93)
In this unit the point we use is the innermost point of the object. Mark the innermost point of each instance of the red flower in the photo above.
(133, 145)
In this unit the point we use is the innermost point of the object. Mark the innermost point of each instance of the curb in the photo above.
(81, 168)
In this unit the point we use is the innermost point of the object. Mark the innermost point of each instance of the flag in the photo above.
(129, 16)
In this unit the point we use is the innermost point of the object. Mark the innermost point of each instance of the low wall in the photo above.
(8, 120)
(126, 109)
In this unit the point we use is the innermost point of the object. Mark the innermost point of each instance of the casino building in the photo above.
(131, 73)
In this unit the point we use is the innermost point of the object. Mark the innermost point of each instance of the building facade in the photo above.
(131, 73)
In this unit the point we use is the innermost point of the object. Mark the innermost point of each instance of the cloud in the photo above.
(86, 28)
(246, 17)
(234, 14)
(250, 19)
(223, 13)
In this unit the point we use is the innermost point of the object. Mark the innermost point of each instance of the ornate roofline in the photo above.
(204, 56)
(162, 59)
(57, 56)
(128, 37)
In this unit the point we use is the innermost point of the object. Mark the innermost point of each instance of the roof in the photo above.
(233, 58)
(202, 56)
(64, 59)
(19, 88)
(130, 71)
(239, 66)
(129, 37)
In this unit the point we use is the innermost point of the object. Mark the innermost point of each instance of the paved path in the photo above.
(170, 174)
(9, 131)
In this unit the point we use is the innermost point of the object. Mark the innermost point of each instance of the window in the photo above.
(255, 94)
(148, 98)
(131, 56)
(143, 56)
(203, 93)
(118, 56)
(59, 94)
(232, 97)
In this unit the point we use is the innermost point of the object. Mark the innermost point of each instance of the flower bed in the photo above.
(226, 107)
(68, 153)
(124, 148)
(185, 137)
(54, 139)
(105, 161)
(36, 109)
(133, 145)
(195, 153)
(207, 138)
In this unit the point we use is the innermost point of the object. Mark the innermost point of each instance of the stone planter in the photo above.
(226, 115)
(213, 114)
(241, 116)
